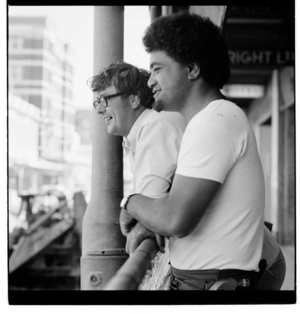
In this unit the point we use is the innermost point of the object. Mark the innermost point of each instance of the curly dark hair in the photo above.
(126, 78)
(190, 38)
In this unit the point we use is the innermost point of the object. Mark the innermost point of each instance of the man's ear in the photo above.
(194, 71)
(134, 101)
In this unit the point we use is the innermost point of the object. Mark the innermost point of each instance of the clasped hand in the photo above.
(127, 222)
(136, 233)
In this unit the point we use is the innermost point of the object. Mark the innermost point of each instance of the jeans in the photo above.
(272, 278)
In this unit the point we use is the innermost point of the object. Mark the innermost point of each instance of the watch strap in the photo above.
(125, 201)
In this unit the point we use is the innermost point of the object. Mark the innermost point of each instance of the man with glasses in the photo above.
(151, 139)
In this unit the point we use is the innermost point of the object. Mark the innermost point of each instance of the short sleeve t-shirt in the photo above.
(219, 145)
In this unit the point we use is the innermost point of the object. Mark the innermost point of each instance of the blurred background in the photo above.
(50, 58)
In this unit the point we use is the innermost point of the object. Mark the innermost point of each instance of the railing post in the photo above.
(102, 242)
(131, 274)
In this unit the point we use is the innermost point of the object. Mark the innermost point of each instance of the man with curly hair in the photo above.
(151, 140)
(214, 211)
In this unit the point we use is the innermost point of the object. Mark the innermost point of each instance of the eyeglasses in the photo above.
(102, 101)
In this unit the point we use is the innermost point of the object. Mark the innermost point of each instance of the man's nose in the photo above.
(151, 81)
(100, 109)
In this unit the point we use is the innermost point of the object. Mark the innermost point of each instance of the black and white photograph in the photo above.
(151, 148)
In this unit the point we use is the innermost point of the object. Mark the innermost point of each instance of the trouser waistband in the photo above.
(216, 274)
(202, 279)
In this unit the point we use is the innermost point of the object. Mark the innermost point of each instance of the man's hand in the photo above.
(127, 222)
(138, 234)
(160, 240)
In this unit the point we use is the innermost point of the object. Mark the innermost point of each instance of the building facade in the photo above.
(43, 141)
(41, 72)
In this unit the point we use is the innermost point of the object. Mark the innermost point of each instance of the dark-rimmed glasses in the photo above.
(102, 101)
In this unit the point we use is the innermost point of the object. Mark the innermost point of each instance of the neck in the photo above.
(198, 99)
(133, 116)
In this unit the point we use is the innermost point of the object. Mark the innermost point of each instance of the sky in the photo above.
(74, 25)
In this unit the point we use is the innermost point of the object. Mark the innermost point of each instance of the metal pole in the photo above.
(102, 242)
(133, 271)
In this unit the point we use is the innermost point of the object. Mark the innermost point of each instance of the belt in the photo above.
(235, 273)
(199, 278)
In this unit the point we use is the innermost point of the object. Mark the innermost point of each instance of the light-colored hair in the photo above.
(127, 79)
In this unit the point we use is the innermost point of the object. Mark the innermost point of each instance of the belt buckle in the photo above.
(243, 283)
(175, 283)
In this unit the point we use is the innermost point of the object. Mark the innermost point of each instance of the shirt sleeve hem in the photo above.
(189, 172)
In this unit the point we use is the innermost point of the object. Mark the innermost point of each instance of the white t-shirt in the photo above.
(219, 145)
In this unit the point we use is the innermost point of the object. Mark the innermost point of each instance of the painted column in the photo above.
(215, 12)
(274, 184)
(155, 12)
(164, 10)
(102, 242)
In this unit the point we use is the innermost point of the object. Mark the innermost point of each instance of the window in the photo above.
(33, 73)
(33, 43)
(15, 43)
(36, 100)
(48, 105)
(48, 75)
(68, 93)
(15, 74)
(69, 68)
(25, 57)
(48, 45)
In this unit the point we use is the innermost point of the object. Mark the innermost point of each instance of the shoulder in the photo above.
(171, 120)
(228, 111)
(220, 115)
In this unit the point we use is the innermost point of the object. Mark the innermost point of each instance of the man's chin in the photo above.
(110, 132)
(158, 106)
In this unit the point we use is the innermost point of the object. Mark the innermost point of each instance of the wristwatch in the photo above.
(125, 201)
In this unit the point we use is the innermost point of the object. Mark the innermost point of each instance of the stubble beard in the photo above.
(158, 106)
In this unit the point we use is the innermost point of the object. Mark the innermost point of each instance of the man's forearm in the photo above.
(180, 211)
(154, 214)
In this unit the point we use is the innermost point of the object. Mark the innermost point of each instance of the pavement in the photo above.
(290, 257)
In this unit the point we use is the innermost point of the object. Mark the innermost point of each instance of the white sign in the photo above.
(243, 91)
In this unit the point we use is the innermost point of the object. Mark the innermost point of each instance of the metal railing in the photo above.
(132, 272)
